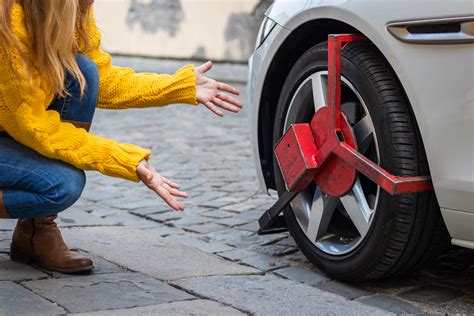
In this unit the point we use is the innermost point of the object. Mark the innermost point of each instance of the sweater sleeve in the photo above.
(122, 88)
(23, 115)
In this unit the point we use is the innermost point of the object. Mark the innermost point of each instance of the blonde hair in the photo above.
(52, 26)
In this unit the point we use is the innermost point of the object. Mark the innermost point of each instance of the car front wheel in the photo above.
(366, 234)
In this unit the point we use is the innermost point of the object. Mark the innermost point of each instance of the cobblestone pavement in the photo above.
(209, 259)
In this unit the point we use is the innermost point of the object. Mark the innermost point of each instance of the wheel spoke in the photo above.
(302, 207)
(302, 96)
(363, 131)
(357, 208)
(322, 211)
(320, 88)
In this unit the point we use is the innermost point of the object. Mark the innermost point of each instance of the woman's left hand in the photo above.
(213, 94)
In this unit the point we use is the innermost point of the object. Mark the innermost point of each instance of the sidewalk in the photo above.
(139, 272)
(209, 259)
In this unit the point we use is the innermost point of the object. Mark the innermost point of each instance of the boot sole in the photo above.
(69, 271)
(23, 257)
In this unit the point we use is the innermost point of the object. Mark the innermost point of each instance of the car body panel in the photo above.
(438, 80)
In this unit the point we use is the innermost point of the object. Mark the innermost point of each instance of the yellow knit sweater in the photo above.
(24, 103)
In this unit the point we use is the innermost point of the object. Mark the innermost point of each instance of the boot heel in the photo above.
(19, 256)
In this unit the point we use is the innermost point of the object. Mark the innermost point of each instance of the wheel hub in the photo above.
(337, 177)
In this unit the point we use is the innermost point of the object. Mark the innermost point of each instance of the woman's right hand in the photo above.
(165, 188)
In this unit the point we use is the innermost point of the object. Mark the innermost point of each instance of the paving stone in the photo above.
(216, 203)
(186, 308)
(14, 271)
(298, 257)
(237, 254)
(252, 226)
(270, 295)
(264, 262)
(245, 194)
(74, 217)
(210, 247)
(132, 204)
(150, 210)
(206, 197)
(248, 187)
(232, 221)
(166, 217)
(145, 203)
(101, 266)
(7, 224)
(273, 250)
(227, 234)
(143, 251)
(125, 218)
(251, 215)
(349, 291)
(97, 195)
(391, 304)
(164, 230)
(432, 294)
(252, 240)
(5, 240)
(116, 291)
(16, 300)
(243, 207)
(217, 214)
(288, 242)
(191, 184)
(224, 201)
(195, 210)
(142, 224)
(205, 228)
(302, 275)
(189, 220)
(102, 211)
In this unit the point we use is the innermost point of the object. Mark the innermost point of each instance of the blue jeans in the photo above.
(36, 186)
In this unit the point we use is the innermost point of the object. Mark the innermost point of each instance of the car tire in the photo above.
(407, 231)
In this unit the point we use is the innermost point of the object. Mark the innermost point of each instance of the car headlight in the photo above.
(265, 29)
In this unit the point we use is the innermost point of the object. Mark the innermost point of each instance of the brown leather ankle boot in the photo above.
(39, 240)
(3, 212)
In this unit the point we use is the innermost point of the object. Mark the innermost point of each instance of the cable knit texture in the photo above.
(24, 103)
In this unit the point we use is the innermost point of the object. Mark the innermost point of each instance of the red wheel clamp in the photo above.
(325, 151)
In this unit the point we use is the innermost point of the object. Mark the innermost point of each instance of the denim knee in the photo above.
(68, 187)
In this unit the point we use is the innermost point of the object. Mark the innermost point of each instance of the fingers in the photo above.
(166, 196)
(165, 188)
(170, 183)
(229, 99)
(225, 105)
(205, 67)
(214, 109)
(225, 87)
(175, 192)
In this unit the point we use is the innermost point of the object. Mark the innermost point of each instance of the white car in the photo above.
(408, 94)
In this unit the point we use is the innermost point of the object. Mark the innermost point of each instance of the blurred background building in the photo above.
(220, 30)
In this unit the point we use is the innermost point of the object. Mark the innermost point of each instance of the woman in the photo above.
(53, 74)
